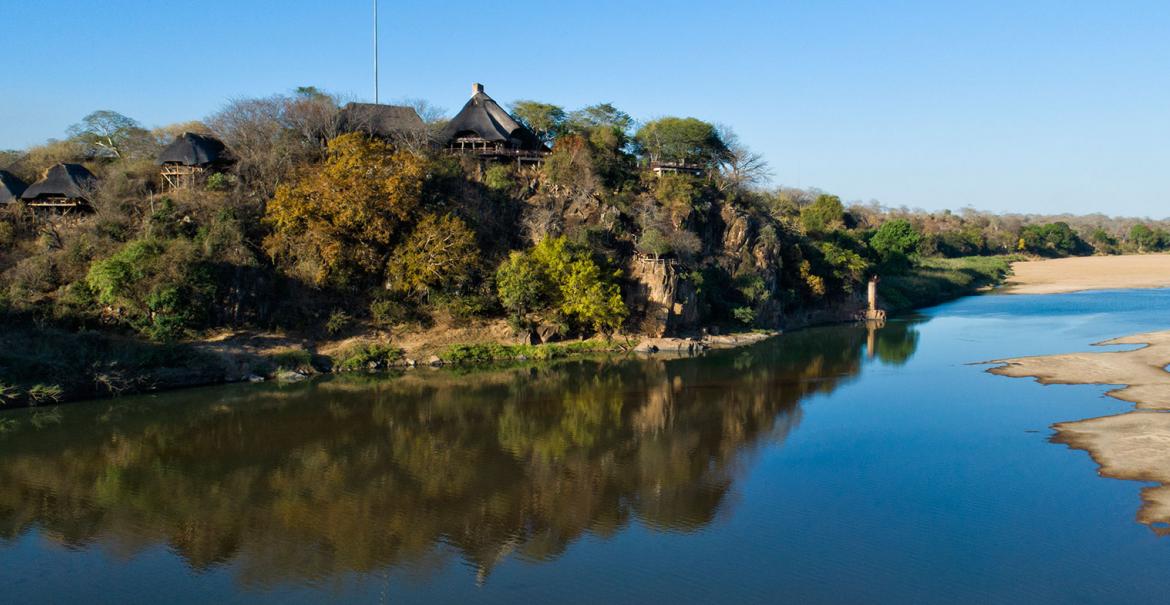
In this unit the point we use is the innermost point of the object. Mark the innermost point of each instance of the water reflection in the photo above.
(306, 483)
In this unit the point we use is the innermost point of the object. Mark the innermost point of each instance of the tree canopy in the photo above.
(681, 140)
(107, 132)
(345, 214)
(543, 119)
(825, 214)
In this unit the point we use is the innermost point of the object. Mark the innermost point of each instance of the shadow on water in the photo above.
(352, 474)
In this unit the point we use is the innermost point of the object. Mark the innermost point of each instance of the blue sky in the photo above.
(1006, 106)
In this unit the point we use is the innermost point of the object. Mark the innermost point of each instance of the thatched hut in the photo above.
(394, 123)
(64, 187)
(483, 128)
(189, 157)
(10, 187)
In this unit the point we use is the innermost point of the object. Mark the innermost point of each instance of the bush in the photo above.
(7, 235)
(489, 352)
(338, 321)
(162, 285)
(297, 360)
(559, 279)
(219, 182)
(45, 393)
(499, 178)
(367, 356)
(385, 312)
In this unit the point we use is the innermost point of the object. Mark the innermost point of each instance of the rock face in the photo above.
(665, 302)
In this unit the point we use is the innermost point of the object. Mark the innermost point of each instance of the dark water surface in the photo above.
(816, 467)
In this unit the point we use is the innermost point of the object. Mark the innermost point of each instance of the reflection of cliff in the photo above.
(352, 475)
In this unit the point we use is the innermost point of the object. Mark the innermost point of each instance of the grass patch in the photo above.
(936, 280)
(490, 352)
(368, 356)
(293, 360)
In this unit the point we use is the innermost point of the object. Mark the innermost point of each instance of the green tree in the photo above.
(824, 215)
(563, 279)
(598, 116)
(107, 131)
(896, 241)
(543, 119)
(1148, 240)
(1050, 239)
(522, 284)
(681, 140)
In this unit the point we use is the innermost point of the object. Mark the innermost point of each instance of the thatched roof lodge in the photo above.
(64, 187)
(189, 156)
(395, 123)
(10, 187)
(483, 128)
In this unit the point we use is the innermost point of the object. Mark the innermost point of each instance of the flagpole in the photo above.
(375, 51)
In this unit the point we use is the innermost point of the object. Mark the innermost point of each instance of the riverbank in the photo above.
(67, 366)
(1075, 274)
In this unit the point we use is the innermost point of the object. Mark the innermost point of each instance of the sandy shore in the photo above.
(1089, 273)
(1147, 383)
(1133, 446)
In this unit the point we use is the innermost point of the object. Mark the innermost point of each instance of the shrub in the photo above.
(366, 356)
(386, 312)
(163, 285)
(489, 352)
(7, 235)
(293, 359)
(7, 393)
(338, 321)
(45, 393)
(218, 182)
(744, 315)
(499, 178)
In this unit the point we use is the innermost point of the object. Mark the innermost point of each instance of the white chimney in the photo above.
(476, 88)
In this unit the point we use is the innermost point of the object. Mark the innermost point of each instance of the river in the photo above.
(832, 464)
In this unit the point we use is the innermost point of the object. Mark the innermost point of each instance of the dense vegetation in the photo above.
(322, 232)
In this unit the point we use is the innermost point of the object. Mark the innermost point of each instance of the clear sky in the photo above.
(1027, 106)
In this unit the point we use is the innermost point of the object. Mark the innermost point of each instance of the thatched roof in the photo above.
(484, 118)
(190, 149)
(71, 181)
(386, 121)
(10, 187)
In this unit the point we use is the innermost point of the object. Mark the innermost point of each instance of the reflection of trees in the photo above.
(351, 475)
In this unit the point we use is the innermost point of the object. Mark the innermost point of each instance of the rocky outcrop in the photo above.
(660, 299)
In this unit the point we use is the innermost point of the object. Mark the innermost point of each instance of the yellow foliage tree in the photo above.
(344, 215)
(440, 253)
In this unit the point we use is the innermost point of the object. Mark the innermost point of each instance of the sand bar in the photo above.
(1133, 446)
(1089, 273)
(1141, 371)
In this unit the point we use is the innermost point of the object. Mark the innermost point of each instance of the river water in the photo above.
(827, 465)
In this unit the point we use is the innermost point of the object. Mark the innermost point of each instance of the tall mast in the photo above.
(375, 51)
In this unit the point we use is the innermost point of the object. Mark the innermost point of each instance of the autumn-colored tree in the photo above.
(342, 217)
(439, 254)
